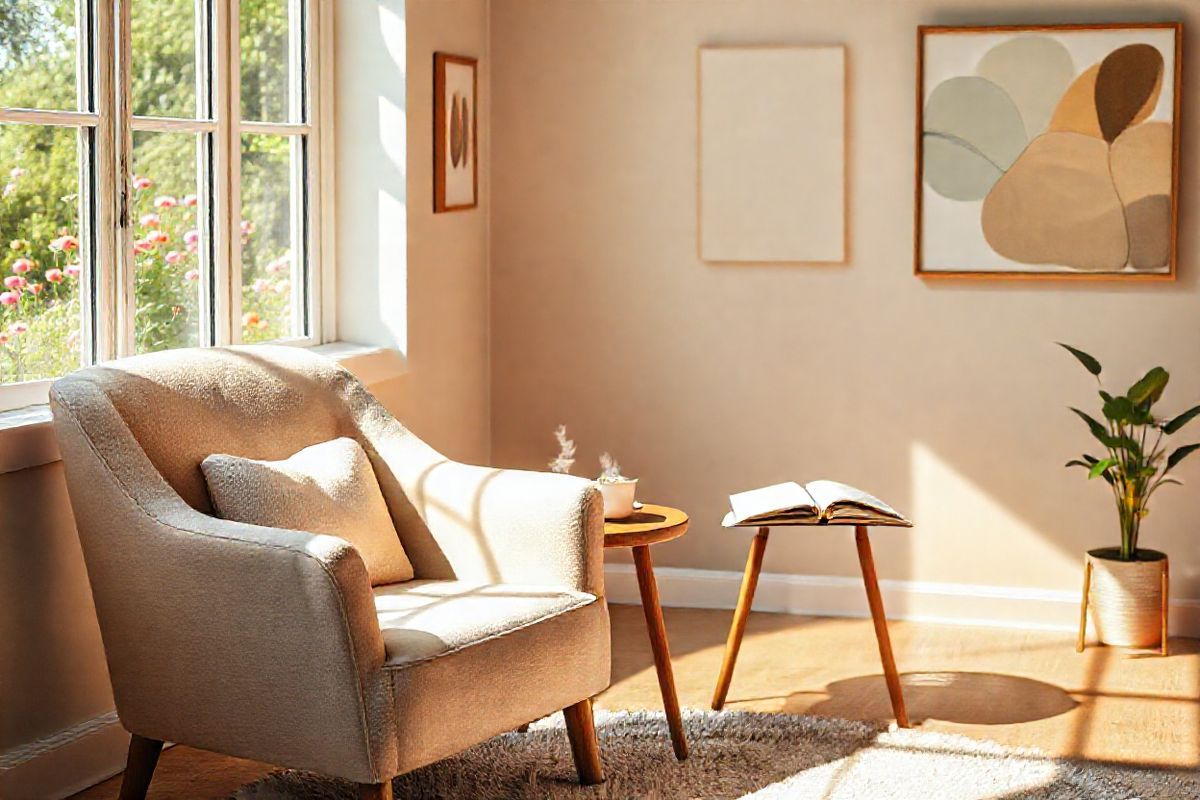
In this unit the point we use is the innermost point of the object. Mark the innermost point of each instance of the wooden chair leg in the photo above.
(1083, 605)
(375, 791)
(585, 748)
(758, 546)
(139, 767)
(875, 601)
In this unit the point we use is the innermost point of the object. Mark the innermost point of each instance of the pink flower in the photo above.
(165, 201)
(192, 240)
(22, 265)
(142, 183)
(73, 270)
(16, 172)
(174, 257)
(150, 220)
(261, 285)
(158, 237)
(14, 282)
(190, 200)
(64, 244)
(36, 288)
(247, 227)
(54, 275)
(143, 246)
(17, 328)
(278, 265)
(192, 275)
(9, 298)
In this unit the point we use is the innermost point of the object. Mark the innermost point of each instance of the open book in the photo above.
(815, 503)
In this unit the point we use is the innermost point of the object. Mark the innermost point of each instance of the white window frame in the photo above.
(106, 242)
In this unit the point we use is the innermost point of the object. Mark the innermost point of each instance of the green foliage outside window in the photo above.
(40, 314)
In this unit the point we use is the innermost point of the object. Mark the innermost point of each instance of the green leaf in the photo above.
(1105, 396)
(1075, 462)
(1100, 467)
(1181, 420)
(1150, 387)
(1180, 454)
(1098, 430)
(1119, 409)
(1089, 363)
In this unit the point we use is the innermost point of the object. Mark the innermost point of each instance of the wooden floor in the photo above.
(1022, 688)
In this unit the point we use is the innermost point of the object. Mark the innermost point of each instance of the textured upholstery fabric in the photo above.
(426, 619)
(325, 488)
(265, 643)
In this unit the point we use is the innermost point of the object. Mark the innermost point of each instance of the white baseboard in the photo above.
(65, 762)
(832, 596)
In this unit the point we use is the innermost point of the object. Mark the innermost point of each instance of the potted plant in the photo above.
(1128, 584)
(618, 491)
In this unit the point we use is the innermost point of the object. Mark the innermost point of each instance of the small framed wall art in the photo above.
(455, 139)
(1048, 151)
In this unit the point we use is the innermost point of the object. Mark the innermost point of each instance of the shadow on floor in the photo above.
(973, 698)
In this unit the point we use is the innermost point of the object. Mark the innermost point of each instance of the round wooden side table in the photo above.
(646, 526)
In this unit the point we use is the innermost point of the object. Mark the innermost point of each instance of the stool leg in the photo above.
(758, 546)
(875, 601)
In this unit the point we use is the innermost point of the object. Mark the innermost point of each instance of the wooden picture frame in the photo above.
(1148, 242)
(455, 133)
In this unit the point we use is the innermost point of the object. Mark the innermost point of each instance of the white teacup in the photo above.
(618, 497)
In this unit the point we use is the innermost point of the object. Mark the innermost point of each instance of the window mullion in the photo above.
(100, 286)
(230, 219)
(125, 267)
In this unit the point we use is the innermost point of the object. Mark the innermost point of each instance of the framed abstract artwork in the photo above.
(1048, 151)
(455, 141)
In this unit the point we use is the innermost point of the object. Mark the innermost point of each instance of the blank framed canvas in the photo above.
(772, 153)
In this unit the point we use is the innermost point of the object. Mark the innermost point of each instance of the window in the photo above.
(160, 176)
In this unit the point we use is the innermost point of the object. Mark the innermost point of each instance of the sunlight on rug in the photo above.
(749, 755)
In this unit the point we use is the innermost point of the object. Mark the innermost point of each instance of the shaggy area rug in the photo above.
(752, 755)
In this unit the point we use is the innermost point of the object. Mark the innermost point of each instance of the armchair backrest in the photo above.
(258, 401)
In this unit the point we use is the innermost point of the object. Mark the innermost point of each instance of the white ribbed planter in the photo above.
(1126, 597)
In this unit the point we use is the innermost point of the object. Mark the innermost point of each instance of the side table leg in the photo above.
(733, 644)
(658, 643)
(875, 600)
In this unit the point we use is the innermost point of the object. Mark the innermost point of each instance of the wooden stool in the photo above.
(746, 598)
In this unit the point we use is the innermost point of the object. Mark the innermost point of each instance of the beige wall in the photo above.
(947, 399)
(432, 305)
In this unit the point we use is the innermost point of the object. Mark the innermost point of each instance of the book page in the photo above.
(837, 501)
(789, 500)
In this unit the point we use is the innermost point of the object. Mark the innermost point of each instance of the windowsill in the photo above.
(27, 434)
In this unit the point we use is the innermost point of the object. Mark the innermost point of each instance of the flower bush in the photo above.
(40, 309)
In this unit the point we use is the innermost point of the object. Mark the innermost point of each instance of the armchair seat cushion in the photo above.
(470, 660)
(426, 619)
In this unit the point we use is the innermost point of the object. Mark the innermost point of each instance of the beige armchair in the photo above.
(272, 644)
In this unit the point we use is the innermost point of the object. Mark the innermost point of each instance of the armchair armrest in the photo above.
(482, 523)
(253, 641)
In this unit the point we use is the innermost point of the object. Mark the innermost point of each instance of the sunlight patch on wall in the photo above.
(393, 268)
(393, 31)
(965, 531)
